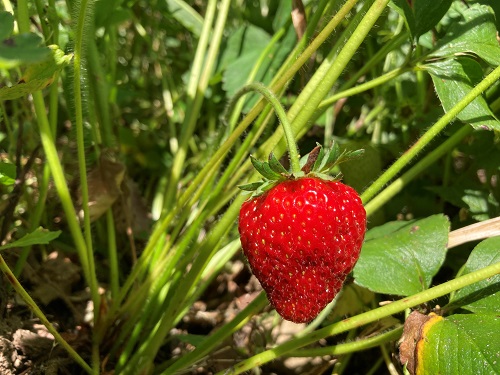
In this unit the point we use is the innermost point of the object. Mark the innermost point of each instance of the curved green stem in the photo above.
(429, 135)
(280, 112)
(364, 318)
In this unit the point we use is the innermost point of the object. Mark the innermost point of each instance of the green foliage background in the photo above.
(139, 91)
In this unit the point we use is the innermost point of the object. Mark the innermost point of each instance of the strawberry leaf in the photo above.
(459, 344)
(276, 165)
(330, 158)
(474, 34)
(251, 186)
(453, 79)
(264, 169)
(403, 262)
(349, 155)
(484, 296)
(325, 159)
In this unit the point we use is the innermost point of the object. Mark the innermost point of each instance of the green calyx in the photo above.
(318, 163)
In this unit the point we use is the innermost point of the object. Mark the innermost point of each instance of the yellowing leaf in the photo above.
(37, 76)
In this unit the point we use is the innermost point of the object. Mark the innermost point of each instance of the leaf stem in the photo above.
(280, 112)
(56, 169)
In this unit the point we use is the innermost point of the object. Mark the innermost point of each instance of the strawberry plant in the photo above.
(128, 128)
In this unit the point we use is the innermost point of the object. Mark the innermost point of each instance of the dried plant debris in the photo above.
(28, 348)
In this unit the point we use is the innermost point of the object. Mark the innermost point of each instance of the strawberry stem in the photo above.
(293, 151)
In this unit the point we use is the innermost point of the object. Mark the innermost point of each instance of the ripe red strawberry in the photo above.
(302, 236)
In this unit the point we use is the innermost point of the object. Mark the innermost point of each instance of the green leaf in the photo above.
(7, 173)
(327, 158)
(453, 79)
(319, 159)
(482, 297)
(387, 229)
(243, 51)
(422, 15)
(39, 236)
(428, 13)
(37, 76)
(480, 203)
(264, 169)
(349, 155)
(186, 16)
(360, 172)
(460, 344)
(251, 186)
(108, 14)
(195, 340)
(403, 262)
(6, 24)
(475, 33)
(276, 165)
(404, 10)
(331, 157)
(19, 49)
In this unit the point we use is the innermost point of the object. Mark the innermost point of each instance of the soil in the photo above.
(26, 347)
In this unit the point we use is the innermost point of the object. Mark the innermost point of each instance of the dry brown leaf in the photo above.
(104, 184)
(299, 18)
